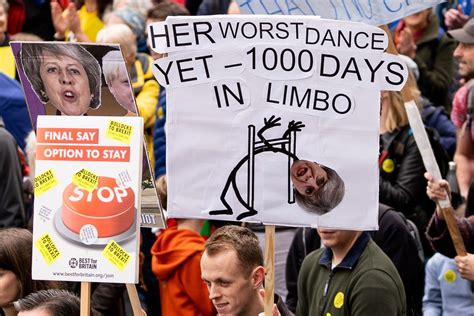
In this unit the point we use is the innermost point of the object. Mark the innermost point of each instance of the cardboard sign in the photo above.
(373, 12)
(274, 119)
(82, 80)
(86, 224)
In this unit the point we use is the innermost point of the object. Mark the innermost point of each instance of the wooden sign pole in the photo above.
(85, 298)
(134, 300)
(269, 268)
(453, 228)
(448, 211)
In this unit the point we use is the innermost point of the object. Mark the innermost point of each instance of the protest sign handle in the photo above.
(454, 230)
(85, 298)
(269, 268)
(134, 300)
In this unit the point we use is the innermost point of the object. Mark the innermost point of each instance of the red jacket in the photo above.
(176, 264)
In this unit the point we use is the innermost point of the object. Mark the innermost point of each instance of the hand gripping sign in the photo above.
(274, 119)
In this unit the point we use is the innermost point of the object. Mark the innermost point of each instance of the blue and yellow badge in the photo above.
(388, 165)
(339, 300)
(450, 276)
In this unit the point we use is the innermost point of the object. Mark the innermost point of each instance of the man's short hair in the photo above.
(55, 302)
(242, 240)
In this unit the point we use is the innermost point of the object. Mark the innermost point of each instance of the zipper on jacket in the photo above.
(322, 303)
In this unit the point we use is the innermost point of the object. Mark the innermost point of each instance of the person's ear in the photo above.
(258, 276)
(44, 96)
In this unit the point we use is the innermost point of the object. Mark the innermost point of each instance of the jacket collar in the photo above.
(350, 260)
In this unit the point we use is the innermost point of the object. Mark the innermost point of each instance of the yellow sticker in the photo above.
(119, 131)
(116, 255)
(45, 181)
(86, 180)
(47, 248)
(450, 276)
(388, 165)
(161, 113)
(339, 300)
(328, 314)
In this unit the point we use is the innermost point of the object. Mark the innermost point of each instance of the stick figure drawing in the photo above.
(315, 187)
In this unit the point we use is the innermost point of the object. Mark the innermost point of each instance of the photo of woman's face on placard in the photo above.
(66, 84)
(318, 189)
(69, 79)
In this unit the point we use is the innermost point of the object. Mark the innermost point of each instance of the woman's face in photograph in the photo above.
(307, 176)
(66, 83)
(9, 288)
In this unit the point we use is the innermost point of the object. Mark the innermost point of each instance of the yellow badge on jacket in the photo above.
(339, 300)
(388, 165)
(450, 276)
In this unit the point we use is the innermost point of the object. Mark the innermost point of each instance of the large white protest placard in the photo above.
(274, 119)
(87, 199)
(373, 12)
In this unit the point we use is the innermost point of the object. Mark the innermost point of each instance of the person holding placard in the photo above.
(401, 166)
(66, 79)
(437, 232)
(461, 114)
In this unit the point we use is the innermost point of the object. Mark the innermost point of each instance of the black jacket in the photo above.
(393, 237)
(282, 308)
(401, 171)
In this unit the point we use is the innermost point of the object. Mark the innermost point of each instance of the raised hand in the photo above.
(273, 121)
(406, 43)
(455, 18)
(74, 21)
(60, 22)
(295, 126)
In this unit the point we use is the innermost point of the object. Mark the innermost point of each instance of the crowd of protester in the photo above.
(197, 267)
